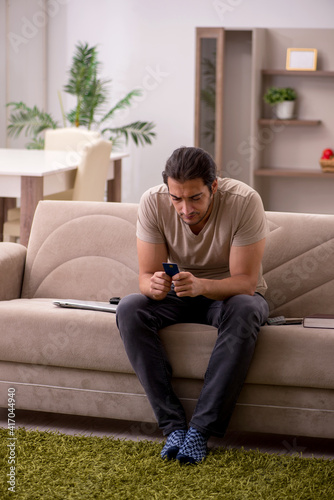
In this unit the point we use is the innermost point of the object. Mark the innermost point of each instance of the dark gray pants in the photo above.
(238, 320)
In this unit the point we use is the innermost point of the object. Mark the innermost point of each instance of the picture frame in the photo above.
(301, 59)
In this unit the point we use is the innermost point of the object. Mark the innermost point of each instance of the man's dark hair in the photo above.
(187, 163)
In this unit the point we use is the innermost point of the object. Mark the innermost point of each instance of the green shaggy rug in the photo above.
(49, 466)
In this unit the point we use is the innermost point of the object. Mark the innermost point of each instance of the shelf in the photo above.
(285, 167)
(303, 123)
(285, 72)
(289, 172)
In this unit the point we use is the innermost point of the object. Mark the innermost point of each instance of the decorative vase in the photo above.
(284, 110)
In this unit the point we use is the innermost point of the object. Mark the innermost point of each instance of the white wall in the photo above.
(2, 73)
(23, 57)
(138, 38)
(151, 44)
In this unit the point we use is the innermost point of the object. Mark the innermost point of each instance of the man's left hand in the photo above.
(187, 285)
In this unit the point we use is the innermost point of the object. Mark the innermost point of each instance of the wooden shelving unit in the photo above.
(285, 72)
(279, 158)
(289, 123)
(262, 122)
(287, 172)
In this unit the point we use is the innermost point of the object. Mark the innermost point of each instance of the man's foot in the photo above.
(173, 444)
(193, 449)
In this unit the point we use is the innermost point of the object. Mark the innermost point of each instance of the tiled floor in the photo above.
(71, 424)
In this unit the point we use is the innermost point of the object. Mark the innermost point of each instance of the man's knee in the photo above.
(243, 316)
(128, 308)
(247, 310)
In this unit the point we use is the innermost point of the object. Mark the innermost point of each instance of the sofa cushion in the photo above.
(82, 250)
(34, 331)
(87, 250)
(12, 260)
(298, 264)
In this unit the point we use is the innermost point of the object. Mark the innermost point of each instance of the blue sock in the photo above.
(193, 449)
(173, 444)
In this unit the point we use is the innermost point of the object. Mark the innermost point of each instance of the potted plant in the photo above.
(283, 99)
(92, 96)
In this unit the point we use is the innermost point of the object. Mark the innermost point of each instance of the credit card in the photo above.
(170, 269)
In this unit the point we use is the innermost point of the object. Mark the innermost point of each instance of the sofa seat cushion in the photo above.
(38, 332)
(291, 355)
(34, 331)
(284, 355)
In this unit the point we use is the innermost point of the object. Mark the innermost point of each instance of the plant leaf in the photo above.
(140, 132)
(122, 104)
(90, 91)
(33, 120)
(36, 143)
(83, 69)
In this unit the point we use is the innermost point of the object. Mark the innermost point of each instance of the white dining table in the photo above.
(32, 174)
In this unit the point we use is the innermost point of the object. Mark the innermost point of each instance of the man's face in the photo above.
(192, 200)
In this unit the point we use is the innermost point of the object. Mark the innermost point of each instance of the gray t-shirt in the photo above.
(237, 218)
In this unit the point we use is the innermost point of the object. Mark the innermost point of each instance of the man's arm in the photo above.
(245, 262)
(152, 282)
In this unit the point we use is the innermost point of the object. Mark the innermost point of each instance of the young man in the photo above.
(214, 229)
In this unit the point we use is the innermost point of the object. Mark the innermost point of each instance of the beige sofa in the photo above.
(73, 361)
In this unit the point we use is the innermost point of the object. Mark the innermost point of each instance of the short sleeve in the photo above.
(252, 226)
(148, 228)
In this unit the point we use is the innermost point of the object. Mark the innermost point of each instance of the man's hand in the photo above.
(187, 285)
(245, 262)
(160, 285)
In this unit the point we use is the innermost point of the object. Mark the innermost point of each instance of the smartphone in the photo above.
(170, 268)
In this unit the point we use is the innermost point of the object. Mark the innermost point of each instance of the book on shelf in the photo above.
(319, 321)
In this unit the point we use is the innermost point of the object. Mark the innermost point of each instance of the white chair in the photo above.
(62, 139)
(91, 177)
(69, 138)
(89, 183)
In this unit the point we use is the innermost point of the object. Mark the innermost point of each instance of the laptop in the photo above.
(86, 304)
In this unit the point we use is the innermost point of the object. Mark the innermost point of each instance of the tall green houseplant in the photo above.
(92, 96)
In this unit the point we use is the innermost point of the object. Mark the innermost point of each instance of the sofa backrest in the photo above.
(298, 264)
(82, 250)
(87, 250)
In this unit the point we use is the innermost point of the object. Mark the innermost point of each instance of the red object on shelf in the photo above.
(327, 154)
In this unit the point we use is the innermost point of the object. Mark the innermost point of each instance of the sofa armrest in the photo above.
(12, 261)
